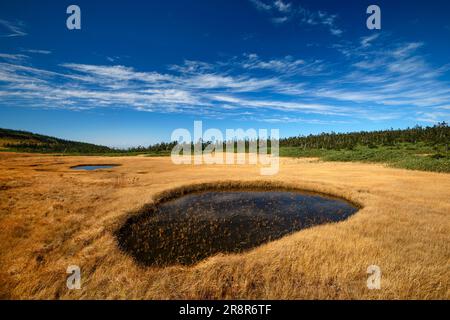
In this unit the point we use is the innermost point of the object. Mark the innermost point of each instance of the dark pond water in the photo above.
(93, 167)
(191, 228)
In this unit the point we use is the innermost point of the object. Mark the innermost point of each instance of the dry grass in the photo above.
(52, 217)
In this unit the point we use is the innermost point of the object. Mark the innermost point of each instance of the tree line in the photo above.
(437, 135)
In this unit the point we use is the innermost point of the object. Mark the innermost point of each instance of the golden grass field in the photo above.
(52, 217)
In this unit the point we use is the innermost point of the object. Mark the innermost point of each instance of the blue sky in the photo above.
(137, 70)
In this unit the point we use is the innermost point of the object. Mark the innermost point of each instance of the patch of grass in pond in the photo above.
(94, 167)
(193, 227)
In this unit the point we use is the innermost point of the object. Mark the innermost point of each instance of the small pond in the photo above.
(94, 167)
(193, 227)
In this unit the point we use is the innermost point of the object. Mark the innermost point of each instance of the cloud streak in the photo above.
(12, 29)
(38, 51)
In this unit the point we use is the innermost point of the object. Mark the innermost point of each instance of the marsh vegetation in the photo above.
(58, 217)
(195, 226)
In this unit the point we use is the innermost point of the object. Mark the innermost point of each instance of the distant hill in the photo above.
(24, 141)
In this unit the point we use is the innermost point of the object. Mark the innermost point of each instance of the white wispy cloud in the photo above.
(432, 116)
(284, 106)
(275, 6)
(261, 5)
(285, 119)
(192, 67)
(37, 51)
(12, 29)
(366, 41)
(282, 6)
(286, 65)
(279, 20)
(323, 18)
(107, 75)
(12, 57)
(283, 11)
